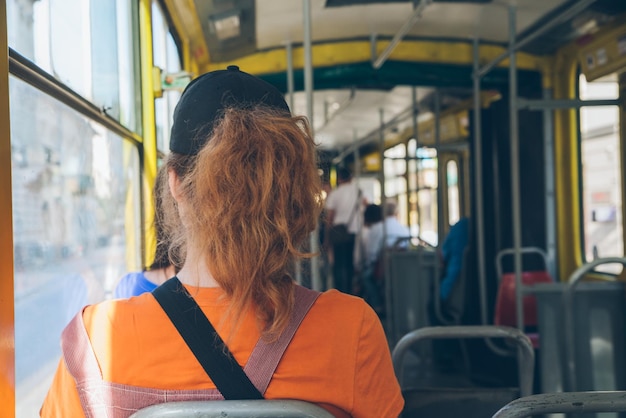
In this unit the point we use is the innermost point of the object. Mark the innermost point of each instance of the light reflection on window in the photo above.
(88, 45)
(601, 173)
(452, 176)
(167, 57)
(427, 164)
(73, 182)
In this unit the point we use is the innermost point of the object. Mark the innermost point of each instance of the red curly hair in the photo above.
(255, 195)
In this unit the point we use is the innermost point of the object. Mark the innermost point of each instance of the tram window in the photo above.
(395, 180)
(412, 189)
(165, 56)
(601, 180)
(427, 193)
(75, 197)
(452, 177)
(88, 45)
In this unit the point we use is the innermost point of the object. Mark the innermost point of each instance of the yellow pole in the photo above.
(149, 130)
(566, 166)
(622, 153)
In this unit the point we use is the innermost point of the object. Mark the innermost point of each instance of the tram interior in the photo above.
(406, 123)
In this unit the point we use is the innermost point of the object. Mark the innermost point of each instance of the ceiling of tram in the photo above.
(280, 21)
(345, 111)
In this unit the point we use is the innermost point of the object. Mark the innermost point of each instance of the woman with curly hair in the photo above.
(244, 194)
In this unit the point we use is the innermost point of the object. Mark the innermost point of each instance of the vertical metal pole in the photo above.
(290, 86)
(316, 282)
(383, 202)
(478, 187)
(148, 117)
(290, 93)
(357, 156)
(417, 164)
(548, 140)
(440, 169)
(308, 60)
(407, 185)
(515, 181)
(357, 177)
(621, 80)
(383, 196)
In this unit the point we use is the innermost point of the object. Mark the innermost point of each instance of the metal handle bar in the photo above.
(523, 250)
(525, 359)
(234, 409)
(568, 307)
(398, 241)
(563, 402)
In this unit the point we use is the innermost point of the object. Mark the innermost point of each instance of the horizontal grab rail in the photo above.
(234, 409)
(526, 354)
(564, 402)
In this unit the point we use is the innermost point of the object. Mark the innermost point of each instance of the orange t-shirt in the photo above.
(338, 358)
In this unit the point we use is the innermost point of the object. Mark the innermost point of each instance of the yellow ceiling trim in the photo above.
(185, 18)
(339, 53)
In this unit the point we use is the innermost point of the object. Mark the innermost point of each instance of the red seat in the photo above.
(505, 302)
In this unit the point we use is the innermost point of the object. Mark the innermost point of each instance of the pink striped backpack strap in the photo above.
(77, 352)
(82, 364)
(266, 356)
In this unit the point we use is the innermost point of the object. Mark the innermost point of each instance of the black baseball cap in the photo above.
(204, 100)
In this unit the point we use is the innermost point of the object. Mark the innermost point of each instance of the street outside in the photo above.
(46, 299)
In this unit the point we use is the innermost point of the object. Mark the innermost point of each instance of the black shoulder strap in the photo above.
(204, 342)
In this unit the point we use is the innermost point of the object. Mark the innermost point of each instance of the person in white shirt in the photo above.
(343, 208)
(394, 230)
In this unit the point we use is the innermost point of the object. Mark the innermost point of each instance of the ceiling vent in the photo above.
(229, 27)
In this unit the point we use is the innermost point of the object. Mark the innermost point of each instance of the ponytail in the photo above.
(254, 195)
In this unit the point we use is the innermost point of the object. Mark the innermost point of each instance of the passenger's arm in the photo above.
(62, 399)
(376, 389)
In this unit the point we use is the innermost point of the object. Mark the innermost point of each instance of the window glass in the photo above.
(601, 179)
(452, 176)
(87, 45)
(166, 56)
(395, 180)
(427, 194)
(75, 188)
(412, 185)
(128, 66)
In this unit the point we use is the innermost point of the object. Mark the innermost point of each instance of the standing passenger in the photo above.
(343, 211)
(244, 195)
